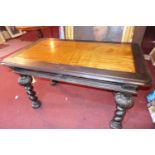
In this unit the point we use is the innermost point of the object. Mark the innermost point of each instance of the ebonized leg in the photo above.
(123, 102)
(53, 82)
(26, 81)
(40, 33)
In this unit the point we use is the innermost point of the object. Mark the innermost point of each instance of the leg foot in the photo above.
(123, 102)
(53, 82)
(26, 81)
(115, 125)
(36, 104)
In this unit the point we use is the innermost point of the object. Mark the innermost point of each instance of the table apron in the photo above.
(114, 86)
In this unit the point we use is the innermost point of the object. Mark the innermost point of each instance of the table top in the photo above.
(119, 60)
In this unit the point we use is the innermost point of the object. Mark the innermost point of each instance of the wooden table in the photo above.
(113, 66)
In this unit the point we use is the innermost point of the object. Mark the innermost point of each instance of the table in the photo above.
(118, 67)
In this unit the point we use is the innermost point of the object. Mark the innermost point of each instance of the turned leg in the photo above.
(26, 81)
(53, 82)
(40, 33)
(123, 101)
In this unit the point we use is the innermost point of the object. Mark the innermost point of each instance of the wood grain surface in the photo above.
(108, 56)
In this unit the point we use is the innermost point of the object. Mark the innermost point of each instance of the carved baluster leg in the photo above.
(53, 82)
(40, 34)
(123, 102)
(26, 81)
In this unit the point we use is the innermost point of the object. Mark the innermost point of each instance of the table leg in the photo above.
(123, 101)
(53, 82)
(26, 81)
(40, 34)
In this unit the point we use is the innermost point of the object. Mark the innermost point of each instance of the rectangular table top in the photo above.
(114, 59)
(95, 55)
